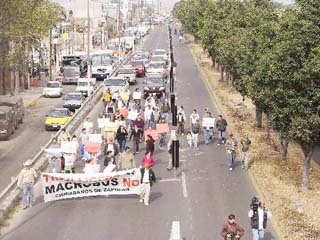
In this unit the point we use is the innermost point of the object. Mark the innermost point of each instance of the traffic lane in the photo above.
(28, 139)
(213, 189)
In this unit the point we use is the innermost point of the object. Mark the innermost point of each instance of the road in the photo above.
(28, 139)
(200, 195)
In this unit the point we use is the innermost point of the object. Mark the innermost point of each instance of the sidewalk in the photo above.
(31, 96)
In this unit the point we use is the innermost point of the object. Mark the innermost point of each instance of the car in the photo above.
(86, 86)
(160, 52)
(127, 73)
(157, 68)
(154, 84)
(73, 101)
(158, 59)
(16, 103)
(53, 89)
(102, 66)
(115, 84)
(7, 122)
(139, 67)
(57, 118)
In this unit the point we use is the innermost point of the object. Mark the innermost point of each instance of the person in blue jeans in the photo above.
(259, 218)
(121, 137)
(208, 130)
(231, 147)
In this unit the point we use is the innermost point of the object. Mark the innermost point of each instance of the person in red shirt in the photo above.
(148, 159)
(231, 230)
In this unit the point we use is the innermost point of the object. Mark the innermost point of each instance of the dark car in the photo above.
(7, 122)
(16, 103)
(73, 100)
(139, 67)
(154, 84)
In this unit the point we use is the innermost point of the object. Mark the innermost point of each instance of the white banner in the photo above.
(208, 122)
(132, 115)
(68, 147)
(102, 122)
(57, 186)
(136, 95)
(96, 138)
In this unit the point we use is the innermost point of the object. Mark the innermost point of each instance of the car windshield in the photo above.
(71, 62)
(157, 58)
(59, 113)
(157, 81)
(83, 84)
(114, 82)
(53, 85)
(3, 118)
(155, 65)
(159, 52)
(125, 71)
(101, 60)
(136, 64)
(73, 97)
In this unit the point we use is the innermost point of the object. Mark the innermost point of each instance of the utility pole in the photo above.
(88, 49)
(51, 57)
(118, 26)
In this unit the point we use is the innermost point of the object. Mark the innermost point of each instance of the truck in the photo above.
(73, 67)
(86, 86)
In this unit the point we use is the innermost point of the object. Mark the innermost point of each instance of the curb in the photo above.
(216, 103)
(32, 102)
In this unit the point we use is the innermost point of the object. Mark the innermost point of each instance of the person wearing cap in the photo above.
(231, 148)
(147, 179)
(259, 219)
(231, 230)
(26, 180)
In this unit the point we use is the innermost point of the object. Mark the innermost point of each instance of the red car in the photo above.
(139, 68)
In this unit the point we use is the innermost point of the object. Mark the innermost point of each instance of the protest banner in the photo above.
(102, 122)
(132, 115)
(58, 186)
(162, 128)
(123, 111)
(208, 122)
(111, 127)
(92, 147)
(154, 134)
(68, 147)
(96, 138)
(136, 95)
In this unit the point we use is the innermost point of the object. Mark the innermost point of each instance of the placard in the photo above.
(132, 115)
(96, 138)
(111, 127)
(153, 133)
(102, 122)
(208, 122)
(162, 128)
(136, 95)
(68, 147)
(124, 111)
(92, 147)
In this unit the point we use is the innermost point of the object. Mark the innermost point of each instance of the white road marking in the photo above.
(184, 184)
(175, 231)
(170, 180)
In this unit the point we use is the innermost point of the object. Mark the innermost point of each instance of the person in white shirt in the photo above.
(194, 117)
(147, 115)
(88, 124)
(90, 167)
(259, 217)
(147, 179)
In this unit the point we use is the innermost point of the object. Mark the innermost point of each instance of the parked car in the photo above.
(86, 86)
(127, 73)
(115, 84)
(139, 67)
(154, 84)
(73, 101)
(16, 103)
(7, 122)
(57, 118)
(53, 89)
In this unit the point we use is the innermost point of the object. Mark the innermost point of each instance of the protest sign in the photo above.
(132, 115)
(208, 122)
(57, 186)
(154, 134)
(96, 138)
(68, 147)
(123, 111)
(111, 127)
(102, 122)
(53, 151)
(136, 95)
(92, 147)
(162, 127)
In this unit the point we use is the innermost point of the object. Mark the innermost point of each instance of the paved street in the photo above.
(200, 195)
(28, 139)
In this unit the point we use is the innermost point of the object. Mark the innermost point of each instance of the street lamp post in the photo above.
(88, 47)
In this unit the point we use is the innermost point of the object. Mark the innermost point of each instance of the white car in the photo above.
(115, 84)
(127, 73)
(86, 86)
(53, 89)
(160, 52)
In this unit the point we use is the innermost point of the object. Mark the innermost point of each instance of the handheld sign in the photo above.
(136, 95)
(162, 128)
(68, 147)
(208, 122)
(92, 147)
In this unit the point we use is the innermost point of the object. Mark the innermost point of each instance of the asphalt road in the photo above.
(200, 195)
(26, 142)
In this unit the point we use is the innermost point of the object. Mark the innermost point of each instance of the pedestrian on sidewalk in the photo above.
(147, 179)
(245, 144)
(126, 160)
(221, 125)
(121, 137)
(208, 130)
(231, 147)
(148, 159)
(26, 180)
(195, 130)
(231, 230)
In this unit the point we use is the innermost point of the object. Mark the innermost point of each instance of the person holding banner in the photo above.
(148, 178)
(208, 123)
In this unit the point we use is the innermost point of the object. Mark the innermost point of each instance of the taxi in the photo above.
(57, 118)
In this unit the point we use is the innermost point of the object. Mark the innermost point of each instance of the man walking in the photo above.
(245, 143)
(231, 147)
(231, 230)
(208, 129)
(147, 179)
(221, 125)
(259, 218)
(126, 160)
(195, 130)
(26, 181)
